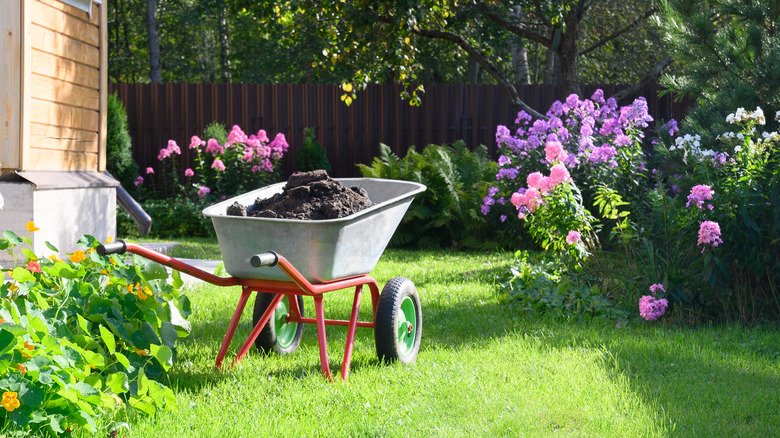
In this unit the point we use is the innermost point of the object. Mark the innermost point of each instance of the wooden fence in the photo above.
(350, 134)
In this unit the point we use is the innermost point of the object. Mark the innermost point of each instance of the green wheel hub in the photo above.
(285, 332)
(407, 326)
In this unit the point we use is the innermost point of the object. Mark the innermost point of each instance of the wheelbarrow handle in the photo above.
(117, 247)
(268, 258)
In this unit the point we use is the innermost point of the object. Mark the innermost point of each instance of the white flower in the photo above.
(730, 117)
(740, 136)
(696, 143)
(766, 134)
(777, 116)
(737, 148)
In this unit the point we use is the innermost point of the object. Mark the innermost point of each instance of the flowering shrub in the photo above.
(226, 164)
(717, 248)
(651, 307)
(584, 144)
(82, 336)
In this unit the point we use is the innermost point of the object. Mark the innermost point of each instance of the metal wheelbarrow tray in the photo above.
(319, 257)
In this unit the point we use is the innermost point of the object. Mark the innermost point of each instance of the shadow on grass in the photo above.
(710, 381)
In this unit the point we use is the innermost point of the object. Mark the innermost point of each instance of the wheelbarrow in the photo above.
(285, 259)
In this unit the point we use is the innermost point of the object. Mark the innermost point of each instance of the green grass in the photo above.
(482, 370)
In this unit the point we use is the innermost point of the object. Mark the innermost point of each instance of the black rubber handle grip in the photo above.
(268, 258)
(118, 247)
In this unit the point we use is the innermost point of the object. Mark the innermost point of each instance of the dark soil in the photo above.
(307, 196)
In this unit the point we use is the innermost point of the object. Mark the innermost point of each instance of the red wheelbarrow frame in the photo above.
(298, 286)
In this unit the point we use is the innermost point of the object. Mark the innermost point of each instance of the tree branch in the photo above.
(513, 27)
(652, 76)
(619, 32)
(485, 64)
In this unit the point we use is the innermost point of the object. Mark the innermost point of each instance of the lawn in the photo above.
(482, 370)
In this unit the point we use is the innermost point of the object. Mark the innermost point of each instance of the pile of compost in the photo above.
(307, 196)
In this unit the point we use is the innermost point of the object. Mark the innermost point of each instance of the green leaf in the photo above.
(177, 281)
(108, 338)
(95, 359)
(31, 396)
(86, 390)
(154, 271)
(22, 275)
(55, 425)
(83, 323)
(118, 383)
(52, 247)
(122, 359)
(142, 404)
(86, 241)
(163, 354)
(13, 239)
(168, 334)
(29, 254)
(4, 244)
(61, 269)
(7, 341)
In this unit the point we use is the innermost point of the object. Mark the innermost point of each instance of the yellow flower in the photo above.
(77, 256)
(10, 401)
(31, 227)
(109, 239)
(103, 271)
(54, 258)
(140, 352)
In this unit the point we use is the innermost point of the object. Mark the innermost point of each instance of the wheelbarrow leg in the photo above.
(351, 333)
(245, 294)
(321, 338)
(258, 328)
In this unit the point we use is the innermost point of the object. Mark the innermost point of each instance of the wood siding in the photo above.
(350, 135)
(10, 83)
(61, 86)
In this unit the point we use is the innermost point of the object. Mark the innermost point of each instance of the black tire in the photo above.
(271, 339)
(398, 325)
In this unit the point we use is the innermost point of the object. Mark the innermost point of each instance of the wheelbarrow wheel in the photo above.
(398, 325)
(278, 335)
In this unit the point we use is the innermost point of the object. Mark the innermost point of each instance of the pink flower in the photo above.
(655, 288)
(534, 180)
(559, 174)
(213, 147)
(709, 234)
(573, 237)
(553, 151)
(248, 153)
(196, 142)
(203, 191)
(650, 308)
(189, 173)
(699, 194)
(218, 164)
(173, 148)
(164, 153)
(532, 199)
(262, 136)
(236, 135)
(33, 267)
(517, 200)
(545, 185)
(149, 171)
(139, 180)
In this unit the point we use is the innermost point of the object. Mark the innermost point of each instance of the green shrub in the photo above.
(82, 337)
(311, 156)
(171, 218)
(447, 213)
(119, 152)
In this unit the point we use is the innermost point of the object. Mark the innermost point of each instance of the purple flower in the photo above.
(139, 180)
(492, 191)
(699, 194)
(203, 191)
(652, 309)
(503, 160)
(502, 217)
(213, 147)
(573, 237)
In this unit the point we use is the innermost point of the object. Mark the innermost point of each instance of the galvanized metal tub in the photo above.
(322, 250)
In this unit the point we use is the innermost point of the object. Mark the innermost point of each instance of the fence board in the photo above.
(350, 135)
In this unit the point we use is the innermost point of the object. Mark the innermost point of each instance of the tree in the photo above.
(729, 53)
(155, 67)
(368, 37)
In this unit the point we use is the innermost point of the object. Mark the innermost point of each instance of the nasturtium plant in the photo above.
(83, 336)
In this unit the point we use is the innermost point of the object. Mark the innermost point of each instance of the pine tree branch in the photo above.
(619, 32)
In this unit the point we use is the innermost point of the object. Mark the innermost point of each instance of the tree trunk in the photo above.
(568, 52)
(155, 67)
(224, 43)
(520, 62)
